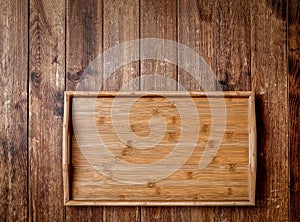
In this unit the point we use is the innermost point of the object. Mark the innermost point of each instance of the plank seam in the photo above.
(288, 108)
(28, 110)
(65, 87)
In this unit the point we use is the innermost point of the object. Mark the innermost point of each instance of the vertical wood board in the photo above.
(46, 93)
(13, 110)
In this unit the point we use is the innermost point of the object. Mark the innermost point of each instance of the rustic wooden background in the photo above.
(46, 44)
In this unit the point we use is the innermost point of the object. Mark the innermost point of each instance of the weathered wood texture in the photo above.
(13, 110)
(120, 25)
(294, 105)
(243, 41)
(84, 214)
(269, 81)
(84, 42)
(46, 91)
(232, 44)
(268, 78)
(158, 20)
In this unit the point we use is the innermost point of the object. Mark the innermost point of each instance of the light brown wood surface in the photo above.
(228, 178)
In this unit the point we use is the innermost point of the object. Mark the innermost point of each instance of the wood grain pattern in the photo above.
(232, 44)
(294, 105)
(121, 24)
(269, 81)
(211, 28)
(84, 44)
(226, 180)
(122, 214)
(158, 20)
(196, 31)
(13, 110)
(84, 214)
(46, 87)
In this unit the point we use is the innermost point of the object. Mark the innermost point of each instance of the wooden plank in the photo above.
(268, 38)
(294, 105)
(196, 31)
(232, 44)
(13, 110)
(226, 180)
(158, 20)
(121, 24)
(84, 214)
(269, 81)
(46, 87)
(232, 57)
(122, 213)
(84, 44)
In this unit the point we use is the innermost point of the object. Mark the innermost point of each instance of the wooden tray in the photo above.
(159, 148)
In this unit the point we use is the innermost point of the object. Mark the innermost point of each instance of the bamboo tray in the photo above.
(159, 148)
